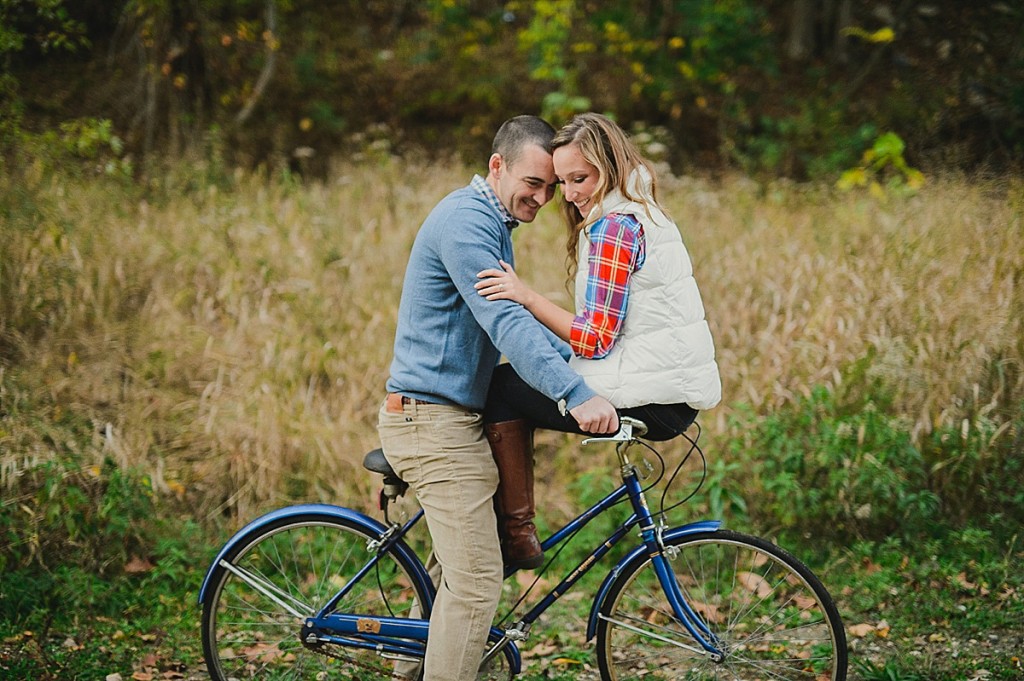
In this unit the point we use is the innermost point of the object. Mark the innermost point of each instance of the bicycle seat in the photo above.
(394, 486)
(375, 462)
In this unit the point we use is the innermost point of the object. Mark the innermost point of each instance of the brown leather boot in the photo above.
(512, 447)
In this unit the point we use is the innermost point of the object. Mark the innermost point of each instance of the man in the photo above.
(448, 341)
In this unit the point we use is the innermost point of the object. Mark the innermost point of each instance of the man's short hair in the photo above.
(517, 133)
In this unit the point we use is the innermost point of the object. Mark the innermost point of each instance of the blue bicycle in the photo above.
(324, 592)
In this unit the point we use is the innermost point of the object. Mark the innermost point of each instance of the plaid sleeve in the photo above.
(617, 250)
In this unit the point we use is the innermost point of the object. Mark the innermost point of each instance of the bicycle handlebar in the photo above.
(629, 429)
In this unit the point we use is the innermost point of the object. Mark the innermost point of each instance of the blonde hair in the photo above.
(604, 145)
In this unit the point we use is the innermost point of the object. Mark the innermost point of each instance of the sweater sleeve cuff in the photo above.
(578, 395)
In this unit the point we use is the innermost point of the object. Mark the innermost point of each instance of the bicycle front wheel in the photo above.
(287, 571)
(766, 612)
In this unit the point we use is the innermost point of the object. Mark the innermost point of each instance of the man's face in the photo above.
(525, 185)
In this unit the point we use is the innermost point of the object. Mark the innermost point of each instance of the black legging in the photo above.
(509, 398)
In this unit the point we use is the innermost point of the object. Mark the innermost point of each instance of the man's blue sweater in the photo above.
(449, 337)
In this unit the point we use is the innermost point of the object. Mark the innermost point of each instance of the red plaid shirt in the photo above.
(616, 251)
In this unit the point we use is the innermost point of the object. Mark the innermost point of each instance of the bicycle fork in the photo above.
(661, 557)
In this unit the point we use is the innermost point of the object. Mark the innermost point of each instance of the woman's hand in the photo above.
(503, 284)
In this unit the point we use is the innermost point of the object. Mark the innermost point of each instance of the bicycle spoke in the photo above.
(250, 627)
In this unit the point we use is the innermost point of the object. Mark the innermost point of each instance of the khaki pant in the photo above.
(442, 453)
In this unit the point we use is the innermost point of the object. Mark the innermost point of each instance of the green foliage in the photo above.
(815, 141)
(889, 671)
(93, 141)
(44, 24)
(95, 518)
(721, 490)
(83, 146)
(977, 467)
(544, 40)
(444, 73)
(145, 615)
(825, 471)
(559, 106)
(883, 163)
(847, 468)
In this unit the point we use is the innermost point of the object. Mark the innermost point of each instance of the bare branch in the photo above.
(268, 66)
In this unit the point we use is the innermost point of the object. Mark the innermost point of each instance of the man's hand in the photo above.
(596, 415)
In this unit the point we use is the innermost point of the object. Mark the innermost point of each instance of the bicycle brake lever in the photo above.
(626, 427)
(624, 435)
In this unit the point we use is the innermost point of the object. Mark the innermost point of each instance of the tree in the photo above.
(42, 26)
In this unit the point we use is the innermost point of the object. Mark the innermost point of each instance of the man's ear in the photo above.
(495, 165)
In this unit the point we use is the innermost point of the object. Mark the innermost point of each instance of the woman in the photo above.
(638, 335)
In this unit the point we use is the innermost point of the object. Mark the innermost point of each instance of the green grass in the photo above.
(939, 604)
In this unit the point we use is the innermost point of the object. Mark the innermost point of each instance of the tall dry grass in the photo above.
(234, 343)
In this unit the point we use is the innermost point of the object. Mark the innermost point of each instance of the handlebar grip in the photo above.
(639, 427)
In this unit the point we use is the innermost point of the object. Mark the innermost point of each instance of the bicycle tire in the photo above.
(246, 635)
(771, 616)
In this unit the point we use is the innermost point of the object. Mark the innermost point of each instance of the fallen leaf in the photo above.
(870, 567)
(962, 581)
(754, 583)
(708, 611)
(860, 630)
(138, 566)
(142, 676)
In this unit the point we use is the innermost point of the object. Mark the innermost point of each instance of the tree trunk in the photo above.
(844, 20)
(800, 43)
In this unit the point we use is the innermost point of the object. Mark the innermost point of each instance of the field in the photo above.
(179, 356)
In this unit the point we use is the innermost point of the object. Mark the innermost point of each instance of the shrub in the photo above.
(97, 518)
(830, 469)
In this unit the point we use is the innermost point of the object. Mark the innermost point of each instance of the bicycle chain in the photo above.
(322, 648)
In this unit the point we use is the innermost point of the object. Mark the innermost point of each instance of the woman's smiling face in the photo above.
(578, 176)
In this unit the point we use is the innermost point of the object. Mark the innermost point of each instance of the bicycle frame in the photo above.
(405, 639)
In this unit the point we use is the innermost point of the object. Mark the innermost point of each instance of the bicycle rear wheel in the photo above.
(770, 616)
(303, 561)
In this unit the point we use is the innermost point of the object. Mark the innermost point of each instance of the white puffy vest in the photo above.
(664, 353)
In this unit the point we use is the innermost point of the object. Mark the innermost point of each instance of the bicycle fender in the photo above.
(636, 554)
(315, 510)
